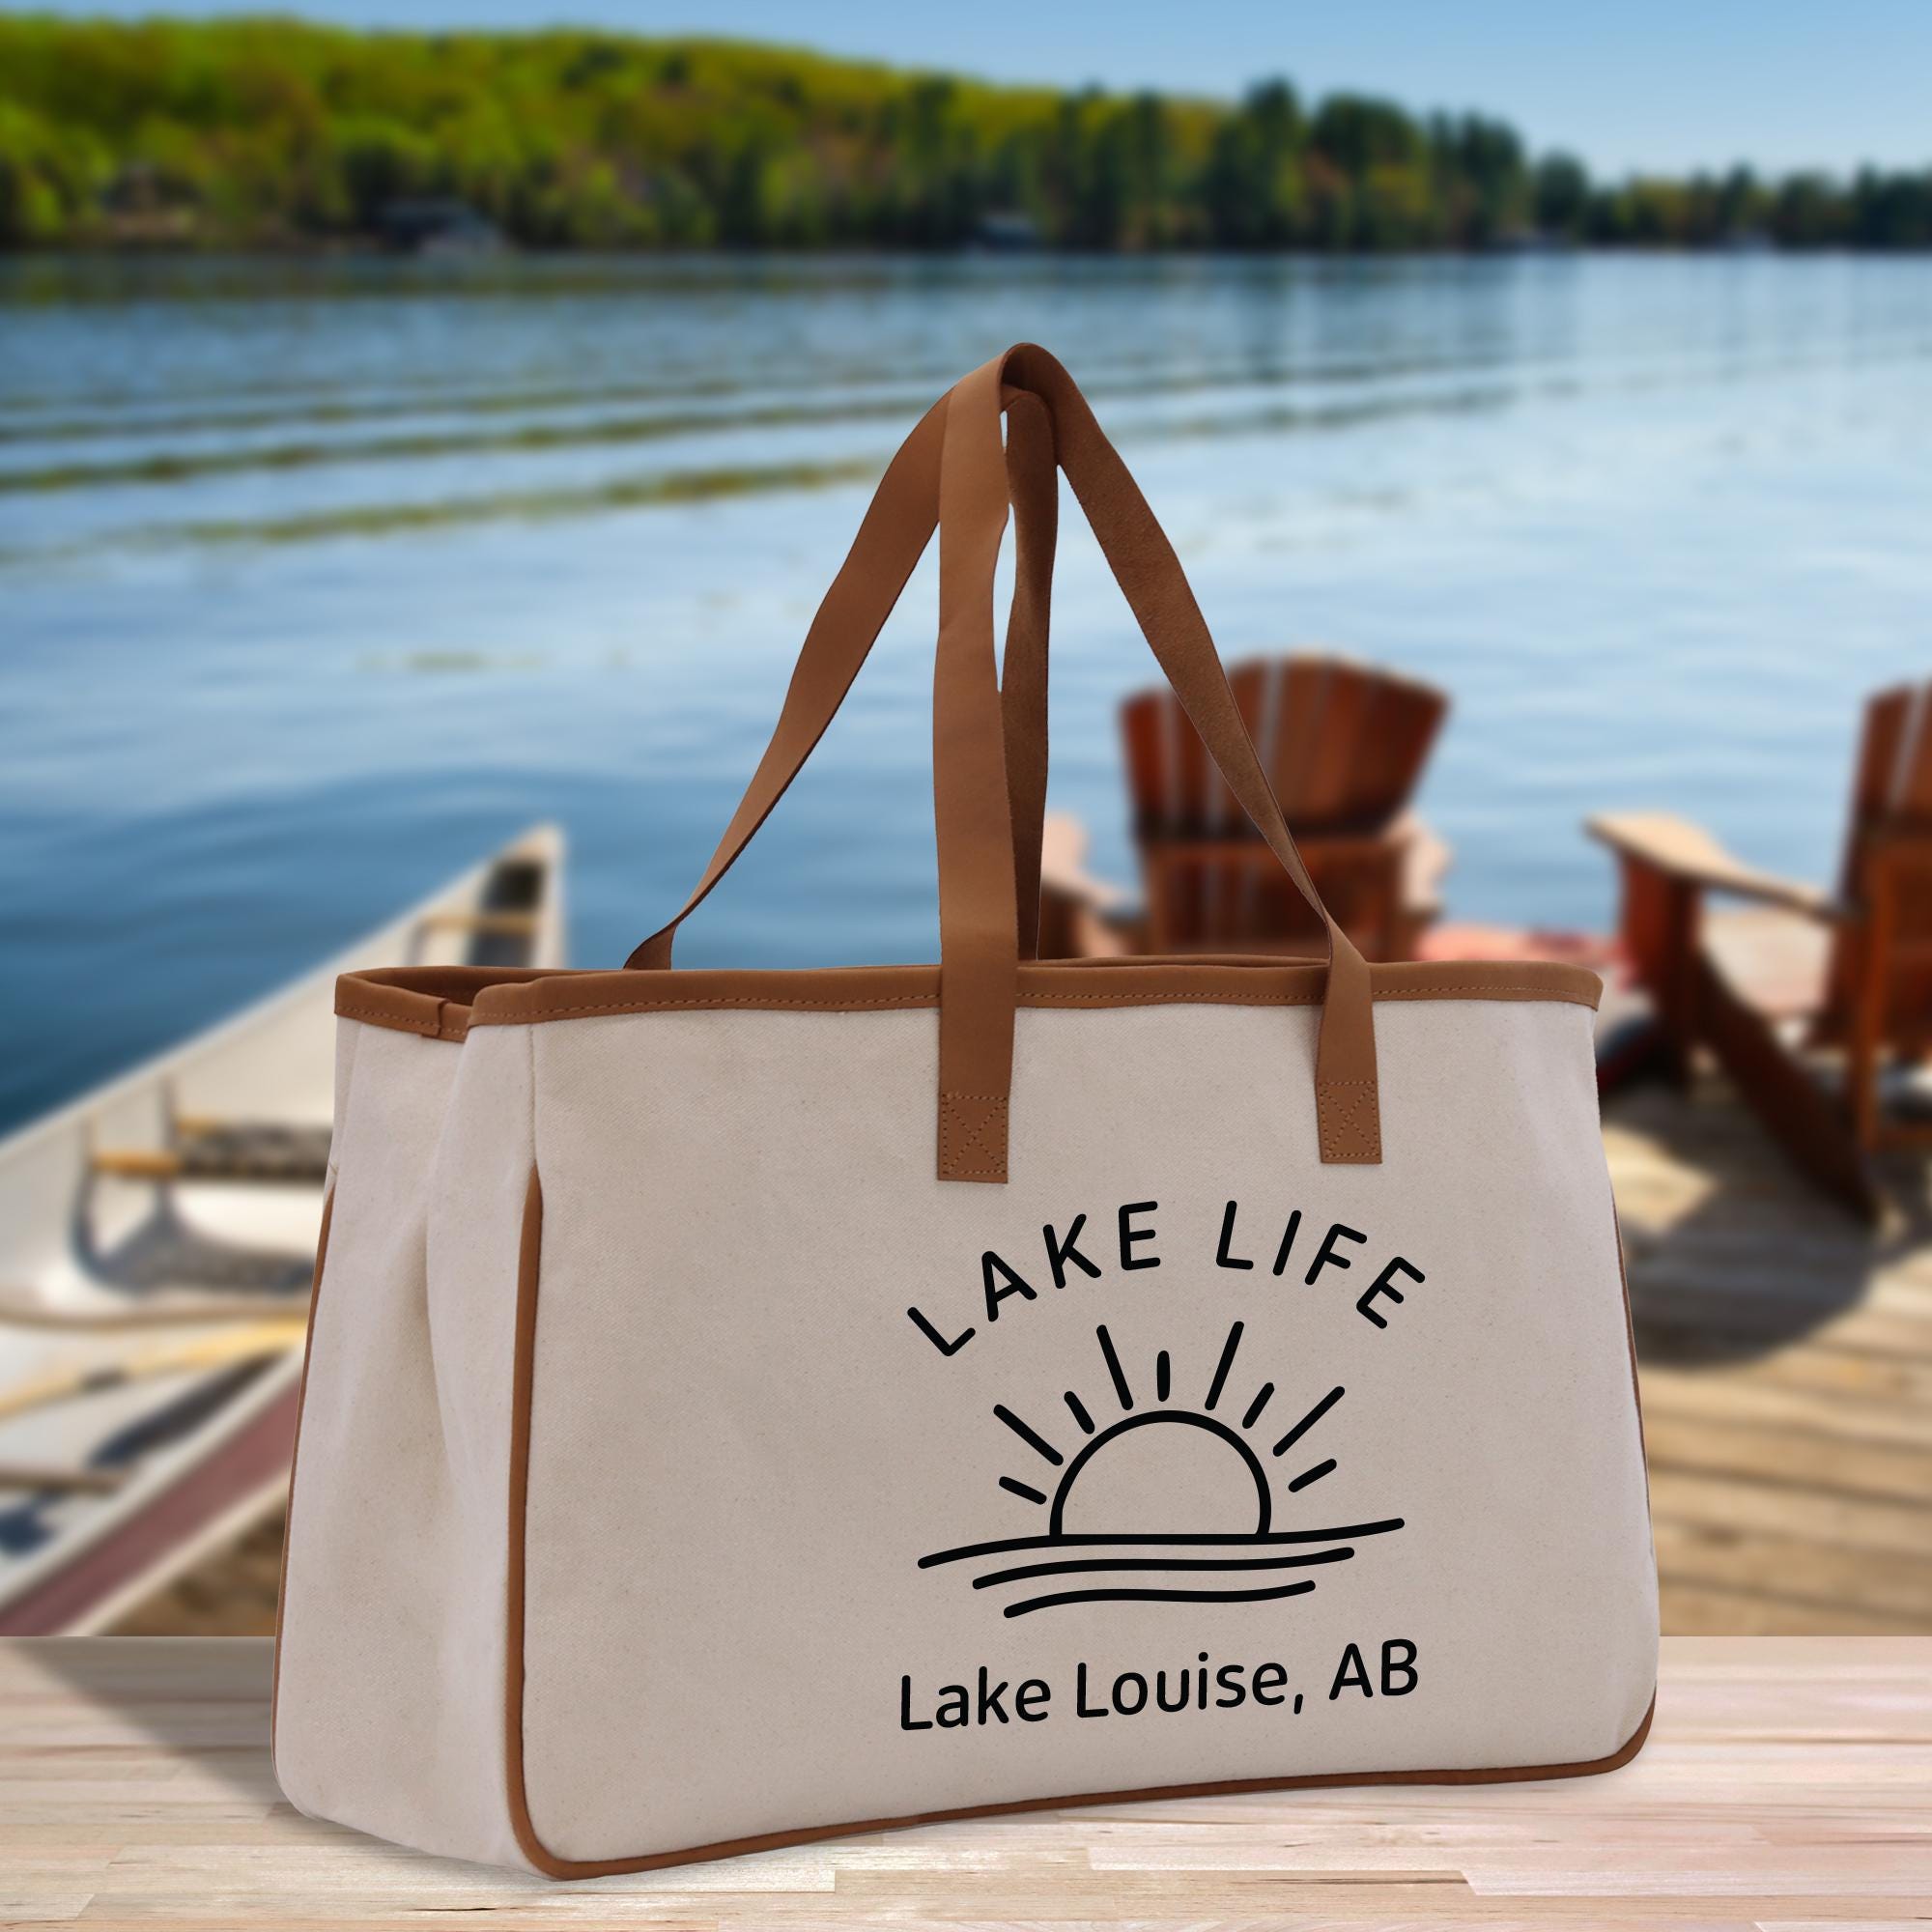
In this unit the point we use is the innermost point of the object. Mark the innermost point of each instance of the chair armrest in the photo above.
(1689, 854)
(1426, 859)
(1063, 863)
(1081, 917)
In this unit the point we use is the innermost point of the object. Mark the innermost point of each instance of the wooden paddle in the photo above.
(204, 1351)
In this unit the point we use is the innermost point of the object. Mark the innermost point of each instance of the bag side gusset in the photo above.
(391, 1662)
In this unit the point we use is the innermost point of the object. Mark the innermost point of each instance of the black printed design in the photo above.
(1245, 1566)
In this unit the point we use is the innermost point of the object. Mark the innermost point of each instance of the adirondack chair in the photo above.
(1344, 745)
(1775, 1012)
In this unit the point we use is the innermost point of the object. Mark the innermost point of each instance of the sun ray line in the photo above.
(1308, 1421)
(1120, 1389)
(1032, 1438)
(1226, 1362)
(1024, 1491)
(1314, 1475)
(1080, 1415)
(1163, 1376)
(1260, 1403)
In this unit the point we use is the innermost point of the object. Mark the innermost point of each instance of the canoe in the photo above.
(157, 1243)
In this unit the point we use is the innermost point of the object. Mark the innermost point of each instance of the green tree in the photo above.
(1561, 197)
(247, 131)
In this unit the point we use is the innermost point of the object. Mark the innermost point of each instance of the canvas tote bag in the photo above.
(746, 1406)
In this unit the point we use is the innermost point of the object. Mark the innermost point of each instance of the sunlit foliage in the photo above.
(277, 133)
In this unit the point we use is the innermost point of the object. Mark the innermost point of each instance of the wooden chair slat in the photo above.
(1396, 738)
(1347, 700)
(1297, 732)
(1912, 783)
(1144, 738)
(1253, 686)
(1341, 745)
(1899, 865)
(1874, 778)
(1893, 752)
(1365, 783)
(1194, 775)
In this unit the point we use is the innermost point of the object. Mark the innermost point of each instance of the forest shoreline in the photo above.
(275, 135)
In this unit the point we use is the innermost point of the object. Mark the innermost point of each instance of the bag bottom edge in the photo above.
(553, 1866)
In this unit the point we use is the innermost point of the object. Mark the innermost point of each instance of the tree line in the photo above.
(274, 134)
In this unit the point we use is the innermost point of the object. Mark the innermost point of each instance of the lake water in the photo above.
(317, 580)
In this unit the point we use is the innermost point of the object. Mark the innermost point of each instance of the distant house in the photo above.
(1005, 230)
(430, 226)
(139, 208)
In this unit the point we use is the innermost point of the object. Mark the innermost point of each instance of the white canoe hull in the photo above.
(141, 1485)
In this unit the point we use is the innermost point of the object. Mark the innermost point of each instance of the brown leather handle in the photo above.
(1033, 482)
(897, 526)
(979, 929)
(989, 739)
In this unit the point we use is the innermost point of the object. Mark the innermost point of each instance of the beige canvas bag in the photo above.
(748, 1407)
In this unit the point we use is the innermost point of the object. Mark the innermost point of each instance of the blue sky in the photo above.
(1641, 84)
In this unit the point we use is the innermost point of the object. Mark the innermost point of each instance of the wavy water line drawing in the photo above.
(1235, 1557)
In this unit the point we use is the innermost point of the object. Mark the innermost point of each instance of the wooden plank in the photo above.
(1786, 1365)
(1798, 1570)
(1821, 1516)
(1753, 1453)
(1683, 1326)
(1691, 1610)
(1785, 1783)
(1894, 1371)
(1803, 1413)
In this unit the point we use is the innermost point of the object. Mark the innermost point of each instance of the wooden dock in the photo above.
(1786, 1359)
(1786, 1783)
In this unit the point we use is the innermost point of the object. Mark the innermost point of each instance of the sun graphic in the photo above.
(1230, 1531)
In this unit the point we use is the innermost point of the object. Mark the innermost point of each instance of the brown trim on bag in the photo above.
(528, 1270)
(423, 1000)
(523, 1377)
(295, 1455)
(434, 1001)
